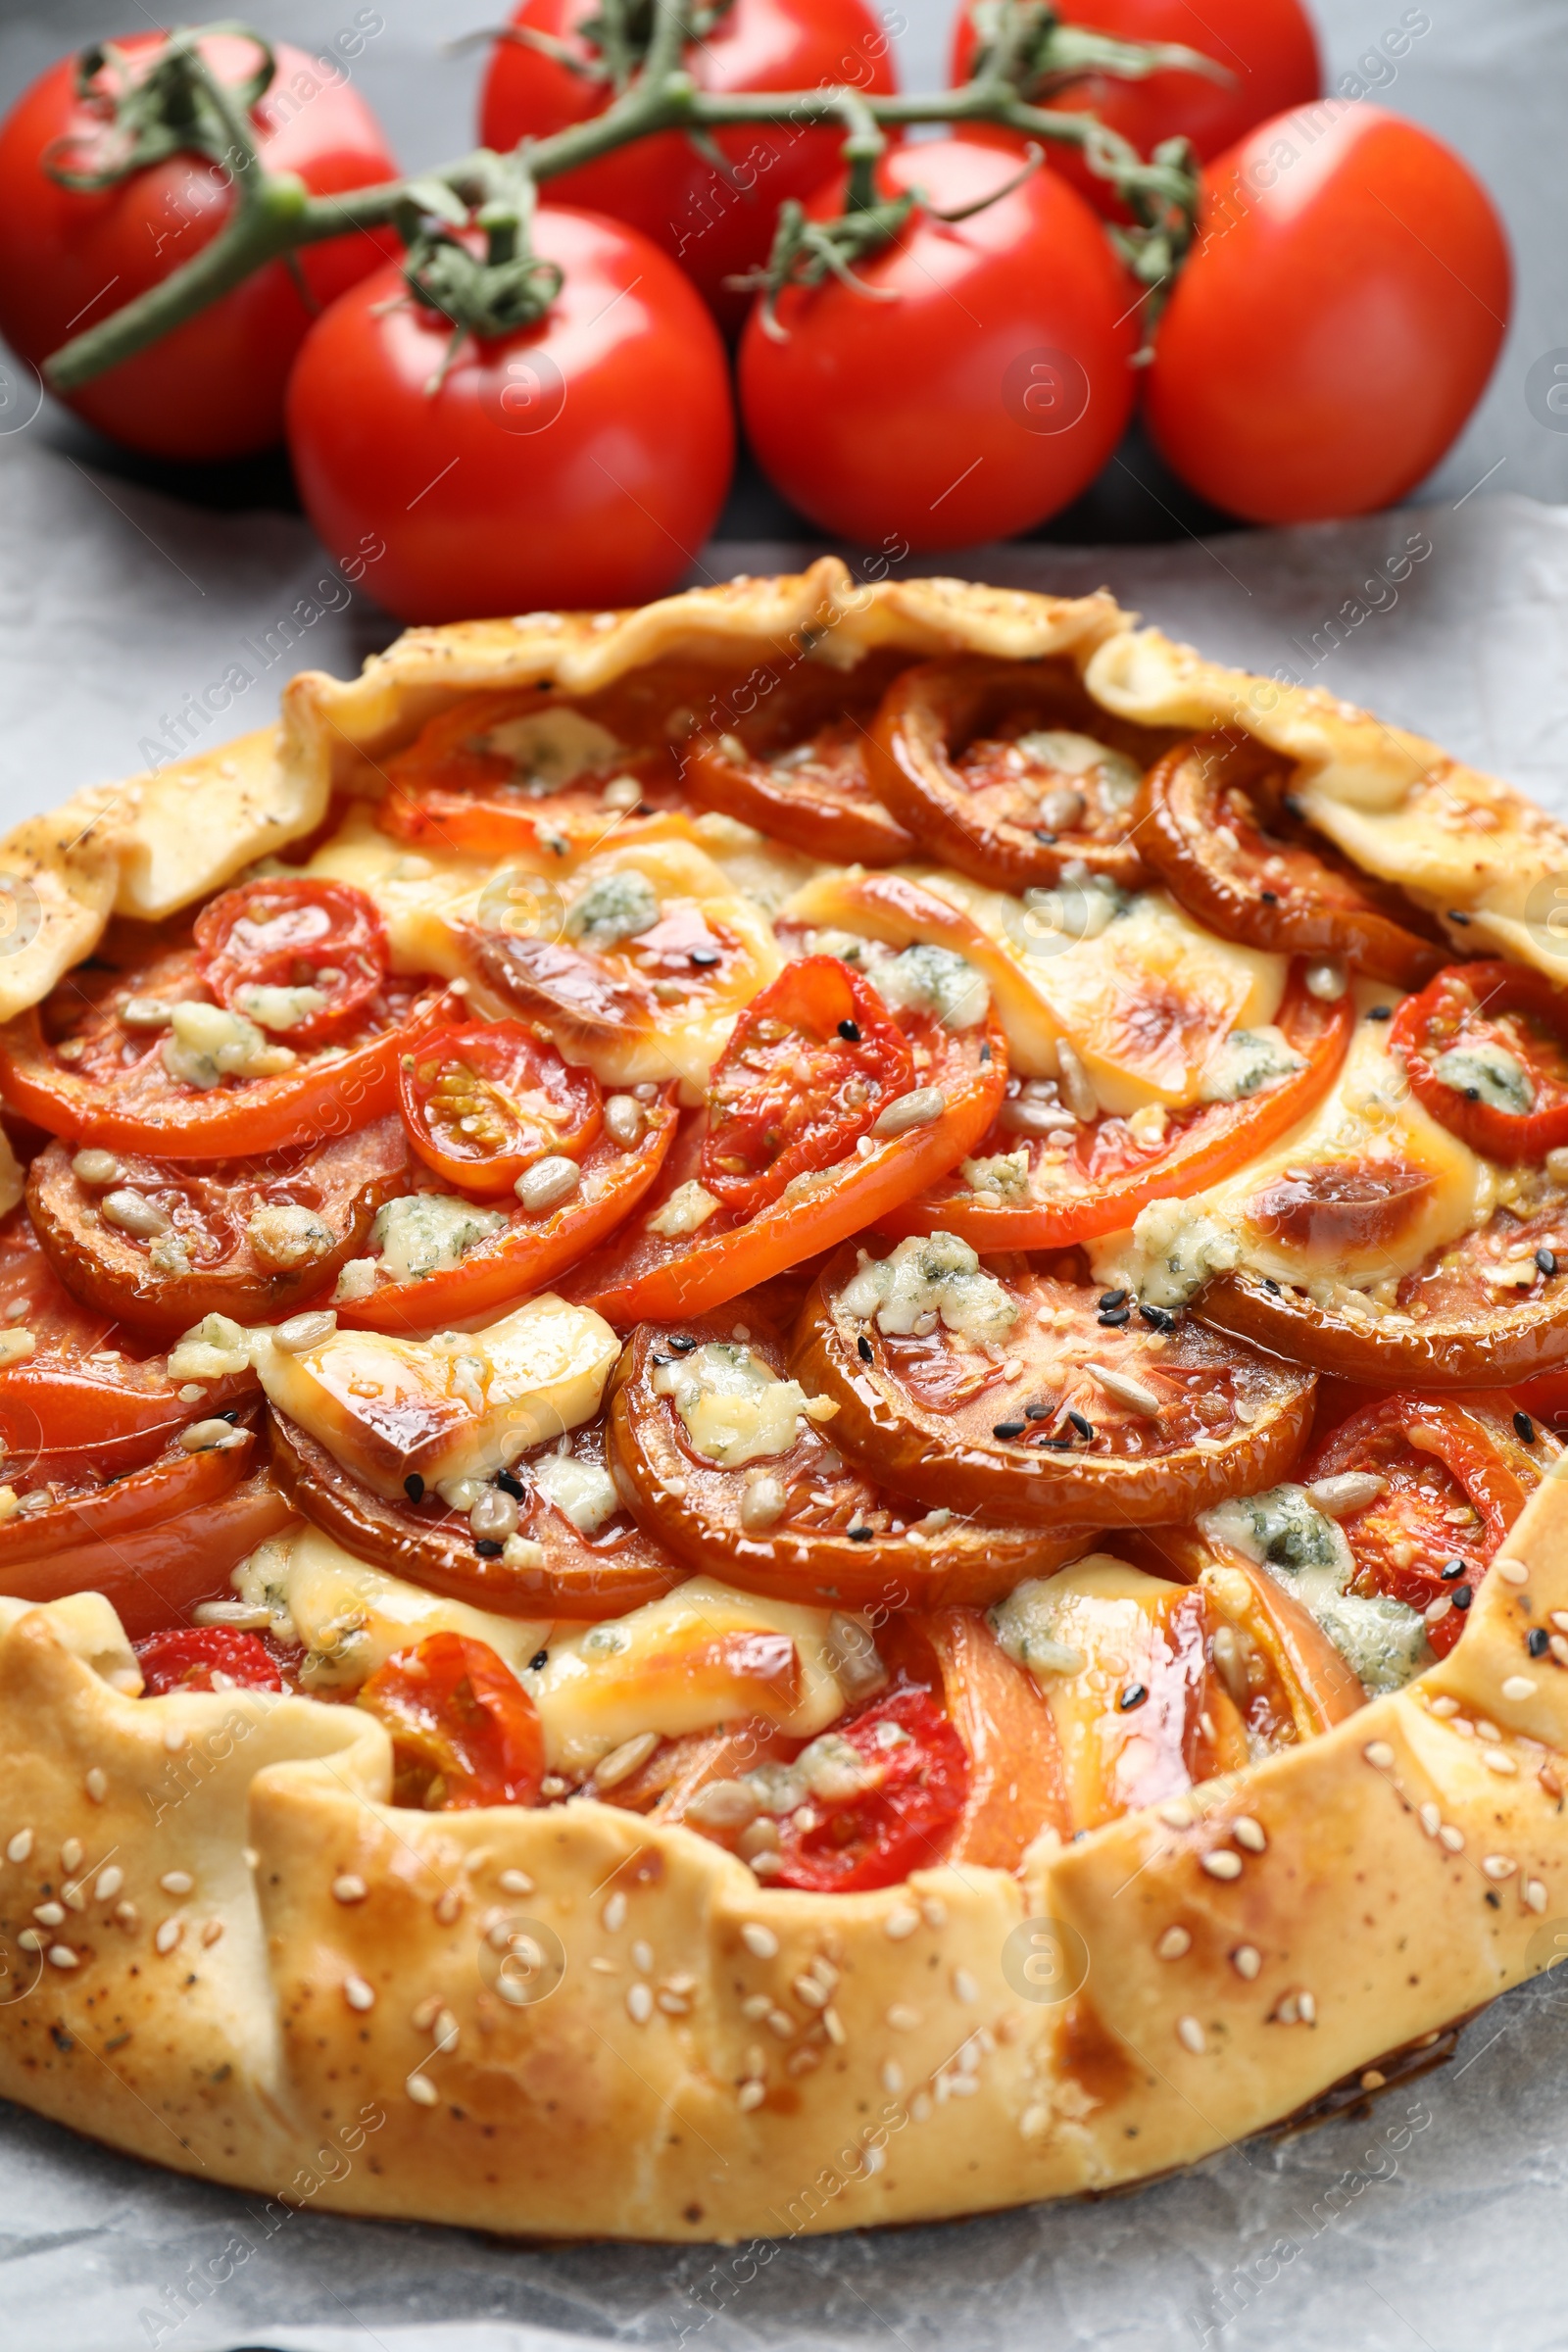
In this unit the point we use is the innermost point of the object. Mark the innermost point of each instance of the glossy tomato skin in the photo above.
(1268, 46)
(580, 462)
(662, 185)
(925, 420)
(215, 387)
(1336, 320)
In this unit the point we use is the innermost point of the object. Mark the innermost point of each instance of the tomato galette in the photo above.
(764, 1365)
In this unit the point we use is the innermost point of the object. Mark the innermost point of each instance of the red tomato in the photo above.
(1336, 320)
(188, 1657)
(168, 1567)
(215, 387)
(326, 935)
(582, 460)
(715, 227)
(983, 396)
(1268, 46)
(481, 1104)
(463, 1729)
(1486, 1048)
(917, 1783)
(812, 1061)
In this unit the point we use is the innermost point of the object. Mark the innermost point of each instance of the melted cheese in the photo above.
(458, 1405)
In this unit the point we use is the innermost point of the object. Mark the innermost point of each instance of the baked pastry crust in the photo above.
(231, 1954)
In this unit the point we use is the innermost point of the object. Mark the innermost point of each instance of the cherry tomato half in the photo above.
(917, 1775)
(482, 1104)
(316, 950)
(188, 1658)
(213, 388)
(1335, 321)
(465, 1731)
(1485, 1046)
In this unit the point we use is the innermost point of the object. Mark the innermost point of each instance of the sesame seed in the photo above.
(1306, 2003)
(1535, 1893)
(1372, 2080)
(808, 1990)
(1189, 2034)
(1442, 1705)
(1498, 1866)
(448, 1905)
(920, 2107)
(642, 1957)
(97, 1783)
(1177, 1815)
(173, 1738)
(60, 1955)
(901, 1923)
(780, 2022)
(167, 1934)
(1174, 1944)
(833, 2027)
(1519, 1686)
(49, 1915)
(1512, 1572)
(892, 2078)
(212, 1932)
(21, 1846)
(1379, 1753)
(71, 1853)
(1496, 1759)
(960, 2087)
(1558, 1648)
(176, 1881)
(1248, 1832)
(348, 1889)
(639, 2003)
(129, 1917)
(427, 2012)
(359, 1994)
(423, 2091)
(760, 1942)
(750, 2095)
(31, 1940)
(1220, 1864)
(934, 1911)
(965, 1988)
(1451, 1837)
(1430, 1817)
(903, 2019)
(1246, 1960)
(1559, 1618)
(109, 1884)
(755, 2004)
(515, 1882)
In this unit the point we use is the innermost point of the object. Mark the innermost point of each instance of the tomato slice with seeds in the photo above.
(485, 1103)
(1017, 1781)
(1456, 1476)
(917, 1778)
(294, 946)
(813, 1064)
(1009, 772)
(465, 1731)
(1220, 827)
(1485, 1046)
(1076, 1180)
(190, 1657)
(77, 1068)
(689, 1251)
(1070, 1410)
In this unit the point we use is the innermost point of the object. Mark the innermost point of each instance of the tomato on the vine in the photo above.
(1267, 49)
(715, 223)
(213, 388)
(1335, 321)
(975, 381)
(580, 461)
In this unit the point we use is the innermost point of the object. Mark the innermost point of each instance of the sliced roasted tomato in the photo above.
(1008, 771)
(505, 1255)
(161, 1244)
(578, 1551)
(1035, 1399)
(1218, 823)
(485, 1103)
(523, 771)
(1485, 1046)
(899, 1808)
(1017, 1778)
(815, 1061)
(1043, 1180)
(303, 959)
(1277, 1664)
(795, 765)
(690, 1252)
(100, 1061)
(465, 1731)
(77, 1396)
(1453, 1476)
(735, 1469)
(206, 1657)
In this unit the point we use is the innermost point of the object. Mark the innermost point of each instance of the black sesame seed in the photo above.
(863, 1348)
(1050, 839)
(1472, 1094)
(1085, 1429)
(1455, 916)
(1115, 1318)
(849, 1032)
(487, 1547)
(985, 1048)
(414, 1487)
(539, 1661)
(703, 956)
(1115, 1298)
(510, 1483)
(1269, 1284)
(1037, 1412)
(683, 1342)
(1158, 1318)
(1270, 898)
(1547, 1261)
(1494, 1898)
(1451, 1569)
(1380, 1013)
(860, 1535)
(1056, 1444)
(661, 1360)
(1133, 1696)
(1008, 1429)
(1463, 1595)
(1538, 1641)
(1524, 1429)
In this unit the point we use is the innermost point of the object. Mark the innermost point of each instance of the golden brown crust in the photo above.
(243, 1962)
